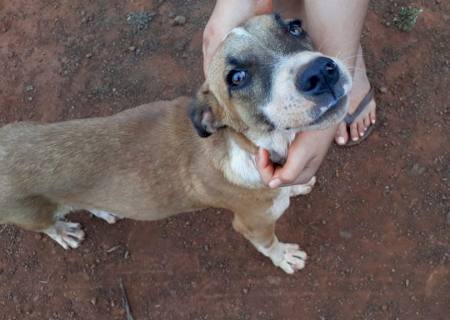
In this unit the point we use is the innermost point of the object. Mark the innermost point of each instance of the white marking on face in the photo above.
(288, 107)
(241, 32)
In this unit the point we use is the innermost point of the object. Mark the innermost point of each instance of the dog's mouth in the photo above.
(333, 112)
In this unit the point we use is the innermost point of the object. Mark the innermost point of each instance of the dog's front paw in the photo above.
(288, 257)
(303, 189)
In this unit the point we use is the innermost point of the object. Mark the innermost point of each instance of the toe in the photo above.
(366, 121)
(72, 227)
(72, 242)
(287, 267)
(372, 116)
(354, 131)
(78, 234)
(341, 137)
(295, 263)
(300, 255)
(361, 128)
(61, 242)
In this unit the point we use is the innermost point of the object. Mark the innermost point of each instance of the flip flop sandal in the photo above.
(350, 118)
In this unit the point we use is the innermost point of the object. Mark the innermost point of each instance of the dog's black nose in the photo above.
(319, 77)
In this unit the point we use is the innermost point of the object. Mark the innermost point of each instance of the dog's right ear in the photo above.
(205, 112)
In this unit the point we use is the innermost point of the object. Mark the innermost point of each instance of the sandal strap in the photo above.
(350, 118)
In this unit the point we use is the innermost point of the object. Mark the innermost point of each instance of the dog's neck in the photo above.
(242, 149)
(276, 142)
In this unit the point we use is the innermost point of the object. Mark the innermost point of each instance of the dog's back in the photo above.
(70, 163)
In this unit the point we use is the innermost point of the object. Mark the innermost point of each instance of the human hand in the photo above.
(305, 155)
(227, 15)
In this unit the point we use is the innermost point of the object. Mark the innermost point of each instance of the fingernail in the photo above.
(274, 183)
(341, 140)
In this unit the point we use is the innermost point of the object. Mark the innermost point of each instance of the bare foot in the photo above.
(361, 87)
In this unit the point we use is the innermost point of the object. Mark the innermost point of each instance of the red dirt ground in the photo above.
(376, 228)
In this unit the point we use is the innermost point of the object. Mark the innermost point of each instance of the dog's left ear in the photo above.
(205, 112)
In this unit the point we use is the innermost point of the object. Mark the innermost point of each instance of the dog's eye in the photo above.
(237, 78)
(295, 28)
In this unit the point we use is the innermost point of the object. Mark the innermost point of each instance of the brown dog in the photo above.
(264, 85)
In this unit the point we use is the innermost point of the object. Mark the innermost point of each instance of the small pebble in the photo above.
(345, 234)
(383, 90)
(179, 20)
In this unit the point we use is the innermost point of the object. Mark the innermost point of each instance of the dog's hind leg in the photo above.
(42, 215)
(67, 234)
(107, 216)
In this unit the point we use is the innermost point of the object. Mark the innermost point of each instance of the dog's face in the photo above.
(266, 76)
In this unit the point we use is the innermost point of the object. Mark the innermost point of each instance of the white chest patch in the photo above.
(241, 167)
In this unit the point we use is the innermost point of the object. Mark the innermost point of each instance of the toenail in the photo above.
(341, 140)
(373, 121)
(361, 134)
(355, 138)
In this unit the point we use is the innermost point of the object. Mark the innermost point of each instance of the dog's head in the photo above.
(267, 76)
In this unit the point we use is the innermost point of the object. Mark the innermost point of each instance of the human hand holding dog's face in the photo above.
(305, 155)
